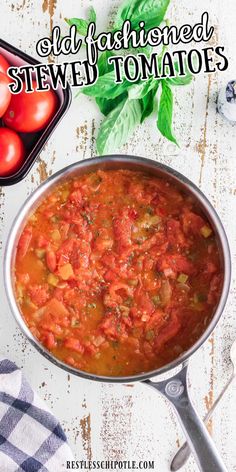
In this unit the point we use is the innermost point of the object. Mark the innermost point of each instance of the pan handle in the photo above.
(175, 389)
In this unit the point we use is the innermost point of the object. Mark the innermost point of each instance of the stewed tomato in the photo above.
(117, 272)
(31, 112)
(12, 152)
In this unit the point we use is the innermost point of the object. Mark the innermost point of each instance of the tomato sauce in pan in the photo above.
(117, 272)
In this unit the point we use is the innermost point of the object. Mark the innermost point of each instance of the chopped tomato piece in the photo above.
(39, 294)
(49, 341)
(122, 226)
(103, 241)
(24, 242)
(42, 242)
(74, 344)
(24, 278)
(192, 223)
(109, 327)
(121, 288)
(177, 263)
(145, 303)
(51, 260)
(56, 307)
(76, 197)
(175, 233)
(168, 332)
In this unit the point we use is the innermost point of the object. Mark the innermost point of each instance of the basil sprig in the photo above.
(150, 11)
(128, 104)
(165, 114)
(118, 125)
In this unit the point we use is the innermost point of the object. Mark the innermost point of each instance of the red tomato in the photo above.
(3, 64)
(11, 152)
(5, 94)
(30, 112)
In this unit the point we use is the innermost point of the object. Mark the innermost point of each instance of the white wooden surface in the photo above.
(107, 421)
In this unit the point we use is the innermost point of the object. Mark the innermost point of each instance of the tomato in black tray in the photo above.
(31, 112)
(5, 94)
(4, 65)
(117, 272)
(12, 152)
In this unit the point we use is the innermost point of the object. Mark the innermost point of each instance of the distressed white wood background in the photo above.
(107, 421)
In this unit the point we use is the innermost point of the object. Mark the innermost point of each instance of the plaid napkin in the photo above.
(31, 439)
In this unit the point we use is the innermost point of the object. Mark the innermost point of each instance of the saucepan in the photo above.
(171, 379)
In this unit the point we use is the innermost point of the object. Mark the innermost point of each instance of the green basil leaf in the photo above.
(181, 80)
(178, 81)
(165, 113)
(125, 12)
(139, 90)
(148, 102)
(106, 106)
(102, 63)
(118, 125)
(150, 11)
(105, 87)
(81, 25)
(92, 17)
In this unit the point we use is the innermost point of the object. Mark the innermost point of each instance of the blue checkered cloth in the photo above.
(31, 439)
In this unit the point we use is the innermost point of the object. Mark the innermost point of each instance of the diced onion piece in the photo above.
(38, 314)
(98, 341)
(124, 310)
(133, 282)
(169, 272)
(55, 235)
(182, 278)
(206, 231)
(53, 280)
(149, 220)
(19, 290)
(64, 195)
(184, 287)
(165, 292)
(75, 323)
(40, 253)
(66, 271)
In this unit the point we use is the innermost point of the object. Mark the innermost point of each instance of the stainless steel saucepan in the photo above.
(175, 386)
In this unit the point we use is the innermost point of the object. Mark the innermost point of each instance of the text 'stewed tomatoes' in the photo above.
(12, 152)
(31, 112)
(117, 272)
(3, 64)
(5, 94)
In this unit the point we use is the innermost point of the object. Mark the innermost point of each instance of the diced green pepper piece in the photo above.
(156, 300)
(182, 279)
(150, 335)
(199, 298)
